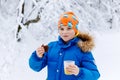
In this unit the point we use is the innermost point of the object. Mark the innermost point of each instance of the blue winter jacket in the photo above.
(58, 52)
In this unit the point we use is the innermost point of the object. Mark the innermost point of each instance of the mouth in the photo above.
(65, 36)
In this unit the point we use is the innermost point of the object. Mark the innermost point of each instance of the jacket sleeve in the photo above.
(88, 69)
(37, 63)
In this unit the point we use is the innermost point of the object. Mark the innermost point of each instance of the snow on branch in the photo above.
(20, 8)
(35, 2)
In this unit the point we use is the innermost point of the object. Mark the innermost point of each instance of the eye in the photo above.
(69, 28)
(61, 29)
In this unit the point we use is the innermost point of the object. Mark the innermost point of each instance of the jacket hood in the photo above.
(86, 42)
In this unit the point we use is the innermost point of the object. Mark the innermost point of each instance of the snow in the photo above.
(107, 54)
(14, 55)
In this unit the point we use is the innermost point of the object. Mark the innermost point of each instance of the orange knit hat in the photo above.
(69, 19)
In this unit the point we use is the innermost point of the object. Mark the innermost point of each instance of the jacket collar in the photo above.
(69, 43)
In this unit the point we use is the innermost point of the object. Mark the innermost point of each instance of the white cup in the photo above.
(66, 64)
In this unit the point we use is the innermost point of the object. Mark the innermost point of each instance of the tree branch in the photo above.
(33, 20)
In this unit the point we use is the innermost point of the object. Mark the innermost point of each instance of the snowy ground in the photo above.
(107, 53)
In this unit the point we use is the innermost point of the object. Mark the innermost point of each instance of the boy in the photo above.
(71, 45)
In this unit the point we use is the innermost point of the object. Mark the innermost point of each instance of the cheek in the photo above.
(72, 33)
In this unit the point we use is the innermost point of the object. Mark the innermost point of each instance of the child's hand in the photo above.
(40, 51)
(73, 69)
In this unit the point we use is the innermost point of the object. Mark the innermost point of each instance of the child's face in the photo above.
(66, 33)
